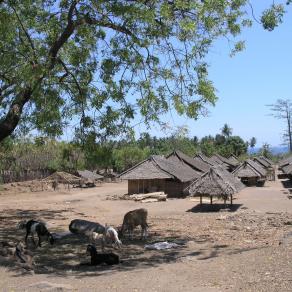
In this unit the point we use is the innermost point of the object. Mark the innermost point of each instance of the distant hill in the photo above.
(275, 150)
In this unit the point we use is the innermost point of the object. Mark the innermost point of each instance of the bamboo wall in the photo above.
(170, 187)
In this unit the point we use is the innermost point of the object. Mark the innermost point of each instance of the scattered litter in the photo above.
(161, 245)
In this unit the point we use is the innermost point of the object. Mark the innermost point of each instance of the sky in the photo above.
(245, 84)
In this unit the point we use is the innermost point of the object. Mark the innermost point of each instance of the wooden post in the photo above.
(201, 199)
(231, 200)
(211, 200)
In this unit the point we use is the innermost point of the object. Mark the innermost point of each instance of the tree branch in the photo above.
(68, 31)
(109, 24)
(27, 34)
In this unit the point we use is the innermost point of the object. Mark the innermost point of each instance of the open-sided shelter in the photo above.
(217, 182)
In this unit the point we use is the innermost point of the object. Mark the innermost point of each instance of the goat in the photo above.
(134, 218)
(98, 259)
(110, 235)
(35, 227)
(84, 227)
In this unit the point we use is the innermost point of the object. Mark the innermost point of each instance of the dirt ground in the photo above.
(245, 248)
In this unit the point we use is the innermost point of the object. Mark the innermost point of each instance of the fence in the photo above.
(9, 176)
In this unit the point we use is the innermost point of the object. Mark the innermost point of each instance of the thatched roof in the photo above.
(287, 169)
(267, 160)
(216, 182)
(158, 167)
(258, 167)
(262, 162)
(234, 159)
(285, 161)
(89, 175)
(249, 169)
(205, 159)
(181, 171)
(204, 166)
(196, 164)
(107, 172)
(215, 160)
(226, 161)
(63, 177)
(146, 169)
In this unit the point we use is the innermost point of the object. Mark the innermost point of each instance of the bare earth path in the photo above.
(248, 248)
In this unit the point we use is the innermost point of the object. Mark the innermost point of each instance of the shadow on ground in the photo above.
(67, 257)
(206, 208)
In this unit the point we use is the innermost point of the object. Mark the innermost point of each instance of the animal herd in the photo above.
(94, 231)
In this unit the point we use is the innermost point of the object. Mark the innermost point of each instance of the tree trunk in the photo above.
(289, 131)
(11, 120)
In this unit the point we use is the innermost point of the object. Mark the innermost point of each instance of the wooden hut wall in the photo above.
(249, 181)
(174, 189)
(144, 186)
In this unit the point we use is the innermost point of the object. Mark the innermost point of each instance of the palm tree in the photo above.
(226, 131)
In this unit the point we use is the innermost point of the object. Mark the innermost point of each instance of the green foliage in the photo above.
(236, 145)
(226, 131)
(273, 16)
(266, 151)
(129, 156)
(253, 142)
(207, 145)
(224, 144)
(64, 61)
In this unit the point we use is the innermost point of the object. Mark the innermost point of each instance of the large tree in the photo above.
(282, 109)
(95, 64)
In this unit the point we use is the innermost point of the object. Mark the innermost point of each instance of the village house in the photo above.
(251, 173)
(158, 173)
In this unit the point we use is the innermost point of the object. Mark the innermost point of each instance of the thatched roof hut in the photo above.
(159, 174)
(217, 182)
(268, 166)
(250, 173)
(285, 162)
(196, 164)
(287, 169)
(63, 178)
(89, 175)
